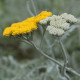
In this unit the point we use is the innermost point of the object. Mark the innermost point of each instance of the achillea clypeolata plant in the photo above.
(56, 26)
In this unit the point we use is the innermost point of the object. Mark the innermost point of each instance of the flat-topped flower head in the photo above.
(60, 24)
(27, 25)
(69, 17)
(57, 22)
(55, 17)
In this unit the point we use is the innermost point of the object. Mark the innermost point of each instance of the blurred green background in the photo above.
(13, 49)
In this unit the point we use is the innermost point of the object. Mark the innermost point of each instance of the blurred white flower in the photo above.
(69, 17)
(48, 18)
(55, 31)
(55, 17)
(57, 23)
(65, 26)
(44, 21)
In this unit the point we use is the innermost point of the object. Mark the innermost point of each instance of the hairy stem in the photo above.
(65, 59)
(55, 61)
(64, 54)
(29, 10)
(34, 8)
(38, 49)
(42, 38)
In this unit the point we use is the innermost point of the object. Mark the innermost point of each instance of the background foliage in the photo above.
(20, 61)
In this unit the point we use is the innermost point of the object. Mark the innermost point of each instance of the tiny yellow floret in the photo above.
(27, 25)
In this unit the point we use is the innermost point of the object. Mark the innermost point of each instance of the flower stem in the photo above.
(42, 38)
(65, 59)
(38, 49)
(34, 8)
(55, 61)
(64, 53)
(29, 10)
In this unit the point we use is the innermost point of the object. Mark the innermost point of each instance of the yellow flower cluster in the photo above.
(26, 25)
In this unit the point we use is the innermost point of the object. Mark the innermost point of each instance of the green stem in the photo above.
(42, 38)
(65, 59)
(29, 10)
(34, 8)
(64, 53)
(55, 61)
(38, 49)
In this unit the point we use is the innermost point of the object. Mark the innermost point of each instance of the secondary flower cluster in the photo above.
(59, 24)
(27, 25)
